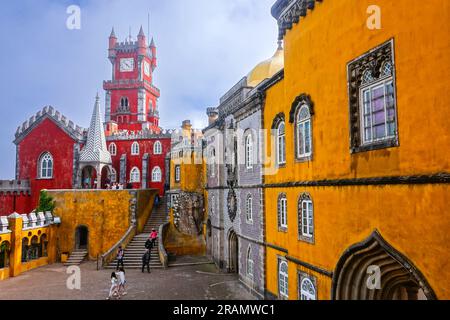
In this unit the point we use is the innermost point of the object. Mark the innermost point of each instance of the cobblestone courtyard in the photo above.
(201, 282)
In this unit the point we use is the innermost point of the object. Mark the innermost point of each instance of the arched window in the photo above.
(282, 212)
(46, 166)
(212, 205)
(283, 282)
(177, 173)
(156, 174)
(113, 175)
(34, 250)
(306, 218)
(307, 290)
(135, 149)
(281, 143)
(212, 163)
(113, 149)
(5, 248)
(124, 102)
(135, 175)
(249, 263)
(157, 148)
(25, 251)
(249, 208)
(249, 152)
(43, 246)
(303, 136)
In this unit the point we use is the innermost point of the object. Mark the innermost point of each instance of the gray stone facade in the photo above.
(237, 241)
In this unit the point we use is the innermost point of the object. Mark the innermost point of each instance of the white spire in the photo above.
(95, 149)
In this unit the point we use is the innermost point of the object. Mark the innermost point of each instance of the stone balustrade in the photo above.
(4, 224)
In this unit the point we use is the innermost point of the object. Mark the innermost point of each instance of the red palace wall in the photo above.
(145, 146)
(23, 203)
(46, 137)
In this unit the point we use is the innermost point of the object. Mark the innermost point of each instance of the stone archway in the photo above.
(233, 252)
(88, 177)
(399, 278)
(81, 238)
(106, 177)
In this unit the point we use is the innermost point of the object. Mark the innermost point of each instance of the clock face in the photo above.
(147, 68)
(126, 65)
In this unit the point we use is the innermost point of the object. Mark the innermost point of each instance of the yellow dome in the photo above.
(266, 69)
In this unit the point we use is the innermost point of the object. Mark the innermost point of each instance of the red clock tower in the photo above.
(131, 98)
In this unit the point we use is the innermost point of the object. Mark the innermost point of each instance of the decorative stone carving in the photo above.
(32, 220)
(25, 221)
(48, 218)
(232, 204)
(40, 219)
(371, 67)
(4, 224)
(188, 213)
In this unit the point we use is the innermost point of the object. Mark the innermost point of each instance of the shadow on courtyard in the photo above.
(198, 282)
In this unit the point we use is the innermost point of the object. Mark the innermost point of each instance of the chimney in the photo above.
(213, 115)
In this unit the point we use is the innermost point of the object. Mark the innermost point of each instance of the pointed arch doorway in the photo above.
(81, 238)
(399, 279)
(233, 252)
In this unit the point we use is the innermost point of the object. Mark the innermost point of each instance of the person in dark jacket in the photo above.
(146, 261)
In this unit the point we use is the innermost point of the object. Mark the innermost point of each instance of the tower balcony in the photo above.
(131, 84)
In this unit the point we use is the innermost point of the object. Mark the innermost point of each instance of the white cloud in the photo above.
(204, 48)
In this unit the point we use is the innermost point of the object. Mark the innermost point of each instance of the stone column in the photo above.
(52, 243)
(15, 258)
(99, 176)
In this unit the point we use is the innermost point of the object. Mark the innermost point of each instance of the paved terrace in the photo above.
(197, 282)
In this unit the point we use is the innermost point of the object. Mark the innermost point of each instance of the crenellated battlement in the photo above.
(143, 134)
(289, 12)
(77, 132)
(15, 186)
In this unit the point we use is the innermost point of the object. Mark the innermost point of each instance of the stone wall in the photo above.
(106, 213)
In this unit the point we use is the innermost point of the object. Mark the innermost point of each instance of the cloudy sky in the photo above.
(204, 48)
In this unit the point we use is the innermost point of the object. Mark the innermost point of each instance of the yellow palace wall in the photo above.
(414, 218)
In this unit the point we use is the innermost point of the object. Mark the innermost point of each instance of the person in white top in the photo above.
(122, 281)
(113, 291)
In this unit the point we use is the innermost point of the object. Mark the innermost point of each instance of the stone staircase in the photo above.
(76, 258)
(136, 248)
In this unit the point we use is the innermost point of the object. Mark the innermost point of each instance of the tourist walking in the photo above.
(122, 281)
(114, 290)
(120, 256)
(146, 260)
(153, 236)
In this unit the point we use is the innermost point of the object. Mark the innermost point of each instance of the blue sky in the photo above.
(204, 48)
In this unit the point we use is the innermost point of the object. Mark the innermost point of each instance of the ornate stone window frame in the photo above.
(157, 148)
(305, 197)
(249, 151)
(368, 70)
(249, 208)
(282, 227)
(156, 174)
(135, 150)
(250, 264)
(177, 173)
(283, 295)
(135, 175)
(300, 102)
(46, 156)
(276, 124)
(303, 276)
(112, 149)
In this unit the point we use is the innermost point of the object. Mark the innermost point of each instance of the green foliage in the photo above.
(46, 203)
